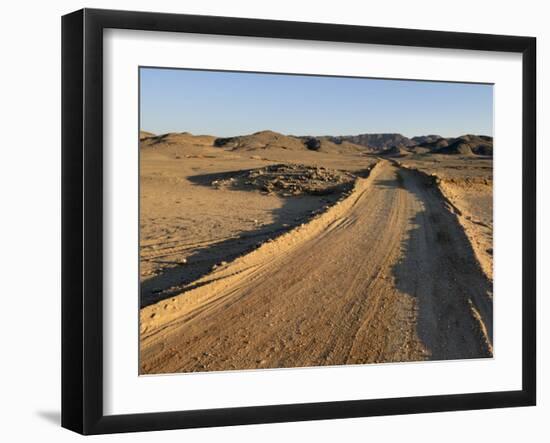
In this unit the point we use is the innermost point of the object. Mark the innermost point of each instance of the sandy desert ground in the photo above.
(263, 251)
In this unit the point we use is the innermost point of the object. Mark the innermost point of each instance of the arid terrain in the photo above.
(272, 251)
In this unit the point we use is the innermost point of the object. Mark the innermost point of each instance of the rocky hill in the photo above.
(467, 145)
(176, 138)
(260, 140)
(421, 139)
(375, 141)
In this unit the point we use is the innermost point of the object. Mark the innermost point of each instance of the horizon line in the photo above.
(288, 134)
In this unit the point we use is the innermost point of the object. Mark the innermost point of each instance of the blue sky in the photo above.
(233, 103)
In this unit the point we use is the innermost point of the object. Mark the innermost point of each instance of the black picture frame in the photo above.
(82, 218)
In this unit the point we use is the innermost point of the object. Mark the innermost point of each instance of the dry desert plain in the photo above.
(275, 251)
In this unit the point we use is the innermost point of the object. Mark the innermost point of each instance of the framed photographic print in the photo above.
(269, 221)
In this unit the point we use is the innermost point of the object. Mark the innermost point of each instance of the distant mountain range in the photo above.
(398, 144)
(393, 144)
(375, 141)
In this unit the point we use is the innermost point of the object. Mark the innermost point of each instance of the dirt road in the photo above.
(389, 275)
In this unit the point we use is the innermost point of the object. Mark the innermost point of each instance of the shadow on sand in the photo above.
(440, 270)
(293, 212)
